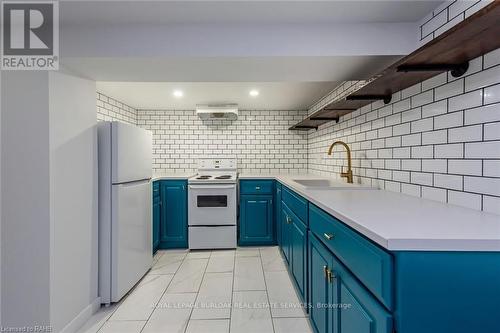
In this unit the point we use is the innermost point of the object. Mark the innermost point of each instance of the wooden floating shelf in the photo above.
(451, 51)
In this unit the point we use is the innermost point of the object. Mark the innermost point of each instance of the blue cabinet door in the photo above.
(298, 237)
(277, 212)
(156, 215)
(320, 288)
(358, 310)
(173, 223)
(256, 220)
(294, 247)
(339, 302)
(286, 237)
(156, 224)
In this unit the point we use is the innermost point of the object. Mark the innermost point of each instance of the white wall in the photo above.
(109, 108)
(25, 199)
(448, 14)
(438, 139)
(259, 139)
(73, 197)
(0, 197)
(49, 178)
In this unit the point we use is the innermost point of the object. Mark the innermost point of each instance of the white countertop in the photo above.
(398, 221)
(173, 176)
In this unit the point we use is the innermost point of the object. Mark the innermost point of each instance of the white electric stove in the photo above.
(213, 204)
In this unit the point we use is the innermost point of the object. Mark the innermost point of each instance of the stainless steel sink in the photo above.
(328, 184)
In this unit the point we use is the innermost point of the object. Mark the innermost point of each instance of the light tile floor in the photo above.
(246, 290)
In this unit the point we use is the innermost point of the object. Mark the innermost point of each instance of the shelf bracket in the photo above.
(456, 70)
(385, 98)
(325, 118)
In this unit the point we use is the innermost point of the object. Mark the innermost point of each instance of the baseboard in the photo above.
(82, 317)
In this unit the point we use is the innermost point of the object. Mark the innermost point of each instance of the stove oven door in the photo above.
(212, 204)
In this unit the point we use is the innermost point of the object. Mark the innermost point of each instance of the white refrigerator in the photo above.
(125, 236)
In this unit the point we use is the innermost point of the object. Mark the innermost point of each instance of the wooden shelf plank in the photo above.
(471, 38)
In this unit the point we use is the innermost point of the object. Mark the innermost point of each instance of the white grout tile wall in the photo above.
(447, 15)
(110, 109)
(344, 89)
(260, 140)
(438, 139)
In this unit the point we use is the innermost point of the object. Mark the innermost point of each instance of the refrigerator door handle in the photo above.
(139, 181)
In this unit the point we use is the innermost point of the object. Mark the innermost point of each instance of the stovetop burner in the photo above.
(215, 171)
(223, 177)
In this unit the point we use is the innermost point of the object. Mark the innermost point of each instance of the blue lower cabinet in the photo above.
(320, 288)
(294, 247)
(297, 204)
(443, 291)
(277, 212)
(256, 220)
(173, 221)
(156, 215)
(355, 286)
(286, 234)
(372, 265)
(358, 310)
(156, 225)
(299, 256)
(339, 303)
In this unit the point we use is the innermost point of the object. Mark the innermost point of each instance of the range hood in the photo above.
(218, 111)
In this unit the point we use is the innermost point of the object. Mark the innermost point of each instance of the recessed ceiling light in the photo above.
(178, 93)
(254, 93)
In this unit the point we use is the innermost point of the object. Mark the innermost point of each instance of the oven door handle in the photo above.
(209, 187)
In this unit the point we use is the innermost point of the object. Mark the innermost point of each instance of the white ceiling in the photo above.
(239, 11)
(229, 69)
(294, 52)
(272, 95)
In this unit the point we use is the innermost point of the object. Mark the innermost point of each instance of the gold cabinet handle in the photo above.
(330, 276)
(288, 219)
(325, 271)
(328, 236)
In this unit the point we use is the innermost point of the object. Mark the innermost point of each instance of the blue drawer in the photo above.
(296, 203)
(367, 261)
(256, 186)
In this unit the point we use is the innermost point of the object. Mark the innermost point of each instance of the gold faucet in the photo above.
(347, 174)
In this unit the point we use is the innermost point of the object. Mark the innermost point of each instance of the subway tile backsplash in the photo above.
(447, 15)
(260, 140)
(110, 109)
(439, 139)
